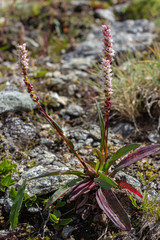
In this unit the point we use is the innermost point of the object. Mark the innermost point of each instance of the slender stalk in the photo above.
(23, 62)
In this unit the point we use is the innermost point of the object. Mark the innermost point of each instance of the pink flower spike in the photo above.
(106, 77)
(23, 63)
(108, 54)
(23, 60)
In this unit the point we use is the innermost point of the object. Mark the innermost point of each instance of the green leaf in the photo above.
(133, 201)
(102, 183)
(7, 181)
(53, 218)
(65, 221)
(107, 179)
(26, 196)
(91, 163)
(152, 178)
(121, 152)
(56, 124)
(101, 159)
(60, 204)
(57, 172)
(5, 47)
(17, 206)
(141, 177)
(13, 194)
(57, 213)
(61, 191)
(102, 126)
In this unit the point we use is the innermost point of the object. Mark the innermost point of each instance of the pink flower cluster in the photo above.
(23, 60)
(107, 39)
(108, 54)
(23, 63)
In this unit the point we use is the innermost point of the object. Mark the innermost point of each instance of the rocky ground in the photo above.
(65, 80)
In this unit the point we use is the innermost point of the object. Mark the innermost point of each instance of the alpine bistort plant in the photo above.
(97, 176)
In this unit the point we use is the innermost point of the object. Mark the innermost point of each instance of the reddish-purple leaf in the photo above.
(111, 206)
(91, 169)
(62, 191)
(81, 188)
(129, 187)
(137, 155)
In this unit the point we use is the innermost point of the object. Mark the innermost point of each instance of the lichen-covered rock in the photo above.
(12, 100)
(18, 131)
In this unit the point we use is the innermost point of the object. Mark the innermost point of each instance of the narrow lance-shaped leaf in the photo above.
(91, 163)
(57, 172)
(111, 206)
(151, 178)
(69, 143)
(137, 155)
(121, 152)
(103, 176)
(62, 191)
(104, 181)
(102, 126)
(17, 206)
(91, 169)
(129, 187)
(81, 188)
(141, 177)
(100, 158)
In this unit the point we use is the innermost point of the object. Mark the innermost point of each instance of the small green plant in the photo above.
(150, 207)
(139, 9)
(98, 176)
(7, 168)
(56, 217)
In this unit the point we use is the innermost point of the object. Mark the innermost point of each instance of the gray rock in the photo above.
(72, 88)
(124, 129)
(13, 100)
(77, 146)
(127, 36)
(43, 185)
(153, 195)
(95, 132)
(61, 100)
(78, 63)
(34, 209)
(47, 158)
(80, 3)
(105, 14)
(69, 77)
(7, 204)
(19, 131)
(73, 110)
(49, 143)
(120, 8)
(66, 232)
(89, 141)
(55, 82)
(154, 137)
(4, 234)
(77, 134)
(1, 200)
